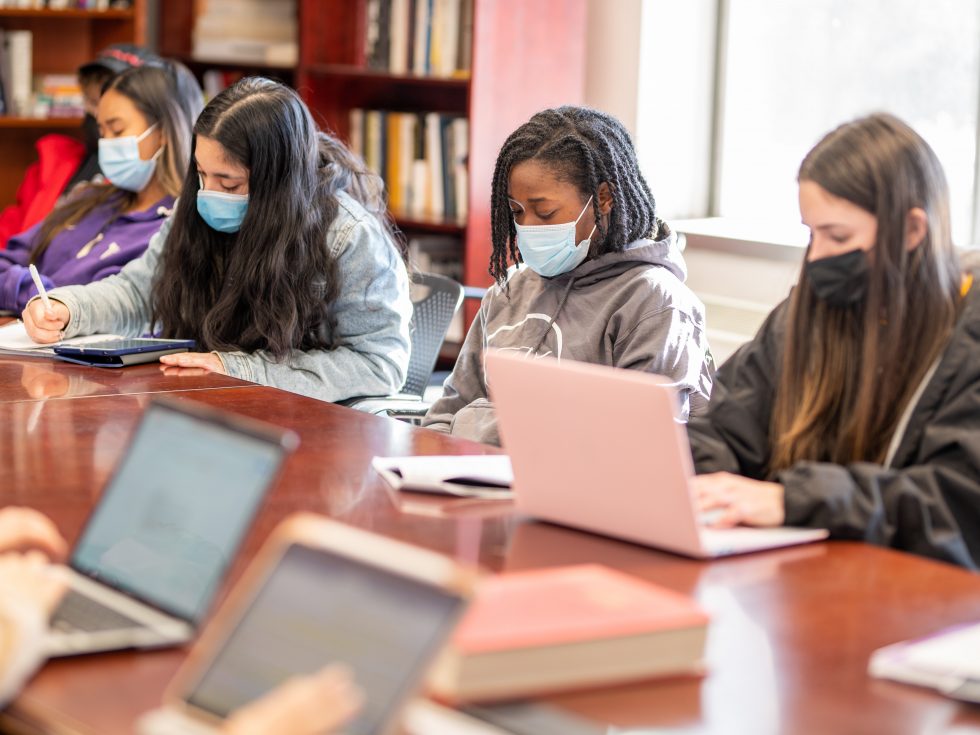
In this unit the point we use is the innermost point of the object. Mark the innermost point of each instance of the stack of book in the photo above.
(420, 156)
(58, 95)
(423, 37)
(247, 31)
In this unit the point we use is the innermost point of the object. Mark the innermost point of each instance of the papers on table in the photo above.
(15, 341)
(948, 661)
(466, 476)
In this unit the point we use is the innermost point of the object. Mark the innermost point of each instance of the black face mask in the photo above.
(90, 133)
(840, 280)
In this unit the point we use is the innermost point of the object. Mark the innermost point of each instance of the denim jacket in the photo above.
(372, 313)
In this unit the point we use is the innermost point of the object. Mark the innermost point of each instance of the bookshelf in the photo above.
(526, 56)
(62, 41)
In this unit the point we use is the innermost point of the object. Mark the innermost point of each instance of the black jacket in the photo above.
(927, 501)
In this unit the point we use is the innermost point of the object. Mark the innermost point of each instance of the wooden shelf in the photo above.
(226, 65)
(61, 41)
(411, 223)
(510, 45)
(39, 123)
(67, 14)
(382, 77)
(337, 88)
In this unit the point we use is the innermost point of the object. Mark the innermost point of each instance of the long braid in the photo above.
(587, 148)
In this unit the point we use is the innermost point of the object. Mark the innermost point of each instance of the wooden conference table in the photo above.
(791, 630)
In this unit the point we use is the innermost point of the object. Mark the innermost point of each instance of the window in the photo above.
(792, 71)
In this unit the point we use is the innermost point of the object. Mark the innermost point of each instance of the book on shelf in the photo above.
(947, 661)
(398, 46)
(16, 72)
(58, 95)
(422, 158)
(548, 630)
(421, 37)
(378, 34)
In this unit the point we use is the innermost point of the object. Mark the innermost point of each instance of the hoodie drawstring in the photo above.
(551, 322)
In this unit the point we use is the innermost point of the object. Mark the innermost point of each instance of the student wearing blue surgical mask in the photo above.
(585, 270)
(279, 260)
(144, 116)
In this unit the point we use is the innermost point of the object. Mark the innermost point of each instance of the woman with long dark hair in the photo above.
(145, 116)
(857, 406)
(278, 261)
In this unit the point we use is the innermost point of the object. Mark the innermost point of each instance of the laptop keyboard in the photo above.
(78, 612)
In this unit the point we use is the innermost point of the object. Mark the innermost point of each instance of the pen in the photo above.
(40, 287)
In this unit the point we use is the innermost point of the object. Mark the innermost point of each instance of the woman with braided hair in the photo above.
(596, 277)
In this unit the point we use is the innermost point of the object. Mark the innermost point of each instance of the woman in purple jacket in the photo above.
(145, 116)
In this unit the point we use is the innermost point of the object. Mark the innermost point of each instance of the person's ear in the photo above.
(916, 227)
(605, 198)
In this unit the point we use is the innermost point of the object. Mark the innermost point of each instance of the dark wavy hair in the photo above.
(271, 285)
(586, 148)
(167, 94)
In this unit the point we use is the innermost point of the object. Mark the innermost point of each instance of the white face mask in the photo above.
(550, 250)
(119, 159)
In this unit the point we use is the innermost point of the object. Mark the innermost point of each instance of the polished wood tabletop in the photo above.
(41, 379)
(788, 643)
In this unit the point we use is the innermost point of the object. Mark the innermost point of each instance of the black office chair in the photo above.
(435, 301)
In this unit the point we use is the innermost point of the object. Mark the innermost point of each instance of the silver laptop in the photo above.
(321, 592)
(170, 520)
(599, 448)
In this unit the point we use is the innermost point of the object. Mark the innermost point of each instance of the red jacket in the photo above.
(58, 158)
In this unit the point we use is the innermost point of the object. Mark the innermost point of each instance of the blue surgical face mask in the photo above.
(119, 159)
(223, 212)
(550, 250)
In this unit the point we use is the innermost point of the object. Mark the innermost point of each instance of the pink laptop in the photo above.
(599, 449)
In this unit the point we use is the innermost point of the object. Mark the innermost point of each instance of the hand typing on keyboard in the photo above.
(738, 500)
(23, 529)
(28, 581)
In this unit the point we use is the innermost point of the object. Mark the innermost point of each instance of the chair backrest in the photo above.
(439, 298)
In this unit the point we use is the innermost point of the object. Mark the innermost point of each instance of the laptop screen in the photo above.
(317, 608)
(171, 518)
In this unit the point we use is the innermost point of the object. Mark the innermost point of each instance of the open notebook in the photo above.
(467, 476)
(14, 341)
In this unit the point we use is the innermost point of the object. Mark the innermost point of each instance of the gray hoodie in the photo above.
(628, 310)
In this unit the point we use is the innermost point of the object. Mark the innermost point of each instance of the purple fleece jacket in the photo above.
(68, 261)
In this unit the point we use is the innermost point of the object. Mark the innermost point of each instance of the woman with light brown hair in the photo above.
(857, 406)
